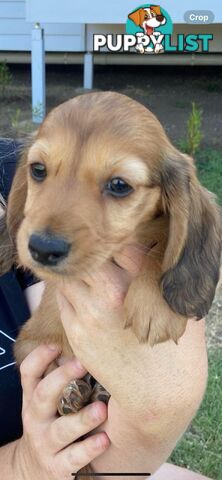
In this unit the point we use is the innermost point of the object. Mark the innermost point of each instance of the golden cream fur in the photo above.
(83, 144)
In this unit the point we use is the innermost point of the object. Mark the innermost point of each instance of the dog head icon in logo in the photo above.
(149, 23)
(148, 18)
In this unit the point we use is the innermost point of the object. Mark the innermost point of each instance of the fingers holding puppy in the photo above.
(42, 393)
(46, 449)
(109, 284)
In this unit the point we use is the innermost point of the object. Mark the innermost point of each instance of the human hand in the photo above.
(155, 391)
(93, 317)
(49, 448)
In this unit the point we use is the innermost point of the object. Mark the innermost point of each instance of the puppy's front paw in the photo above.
(99, 393)
(74, 397)
(154, 322)
(79, 393)
(140, 322)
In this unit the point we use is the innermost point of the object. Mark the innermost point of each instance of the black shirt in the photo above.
(13, 313)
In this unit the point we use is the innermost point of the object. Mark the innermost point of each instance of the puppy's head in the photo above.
(101, 174)
(148, 17)
(87, 184)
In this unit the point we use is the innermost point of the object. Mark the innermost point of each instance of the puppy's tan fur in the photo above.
(84, 143)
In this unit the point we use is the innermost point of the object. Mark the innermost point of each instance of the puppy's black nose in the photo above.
(47, 248)
(160, 18)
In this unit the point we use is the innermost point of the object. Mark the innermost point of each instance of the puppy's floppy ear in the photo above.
(12, 215)
(192, 258)
(136, 16)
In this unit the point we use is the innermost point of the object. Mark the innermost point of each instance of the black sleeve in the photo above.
(13, 313)
(9, 154)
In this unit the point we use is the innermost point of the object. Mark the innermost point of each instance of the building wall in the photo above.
(15, 32)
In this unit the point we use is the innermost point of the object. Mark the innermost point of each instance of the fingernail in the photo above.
(95, 413)
(53, 347)
(77, 365)
(101, 441)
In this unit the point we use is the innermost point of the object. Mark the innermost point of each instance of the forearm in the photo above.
(143, 439)
(144, 380)
(130, 450)
(7, 462)
(135, 450)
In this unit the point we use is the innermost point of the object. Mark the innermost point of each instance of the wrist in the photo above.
(18, 461)
(8, 462)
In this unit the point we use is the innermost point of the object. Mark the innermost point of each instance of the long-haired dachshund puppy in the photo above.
(101, 174)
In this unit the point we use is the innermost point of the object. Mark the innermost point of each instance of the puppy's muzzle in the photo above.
(48, 249)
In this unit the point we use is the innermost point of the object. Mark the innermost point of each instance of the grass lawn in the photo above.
(201, 447)
(209, 164)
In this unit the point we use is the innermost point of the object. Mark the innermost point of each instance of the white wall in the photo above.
(15, 32)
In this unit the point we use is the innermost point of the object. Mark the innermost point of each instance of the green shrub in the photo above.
(191, 143)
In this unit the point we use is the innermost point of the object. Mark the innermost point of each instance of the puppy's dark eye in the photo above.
(117, 187)
(38, 171)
